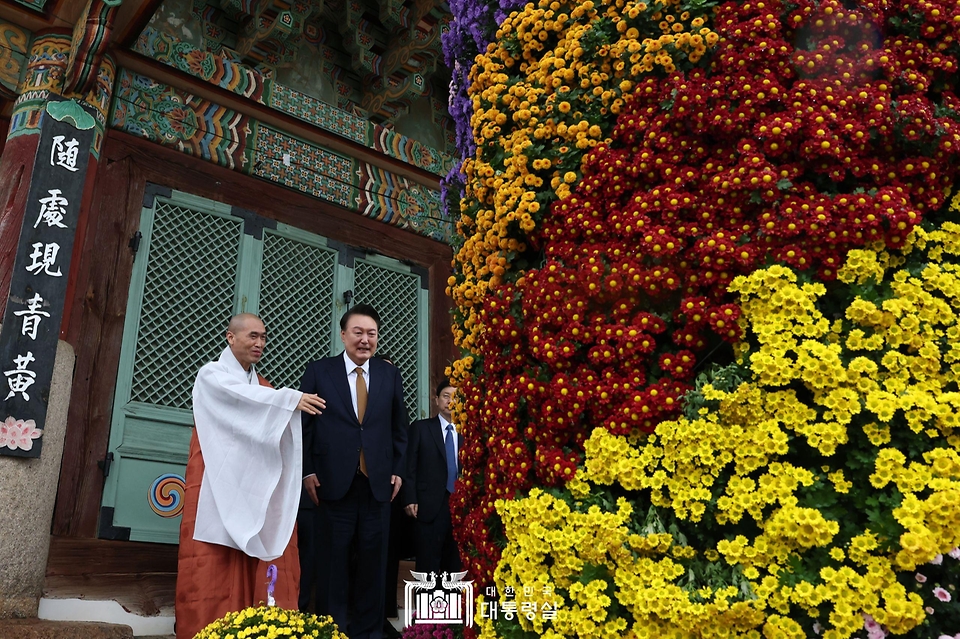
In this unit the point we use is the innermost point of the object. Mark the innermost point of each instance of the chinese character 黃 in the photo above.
(21, 378)
(32, 316)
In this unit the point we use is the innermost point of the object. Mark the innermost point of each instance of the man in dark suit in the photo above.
(353, 459)
(432, 469)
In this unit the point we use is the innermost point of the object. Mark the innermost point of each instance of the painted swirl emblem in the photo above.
(166, 495)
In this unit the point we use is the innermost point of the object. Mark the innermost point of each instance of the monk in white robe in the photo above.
(242, 486)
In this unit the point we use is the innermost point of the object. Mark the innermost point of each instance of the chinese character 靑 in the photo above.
(32, 316)
(52, 209)
(44, 258)
(64, 154)
(21, 378)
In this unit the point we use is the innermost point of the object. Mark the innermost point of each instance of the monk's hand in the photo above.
(411, 510)
(311, 404)
(310, 484)
(396, 481)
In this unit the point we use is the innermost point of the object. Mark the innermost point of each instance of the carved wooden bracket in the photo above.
(91, 35)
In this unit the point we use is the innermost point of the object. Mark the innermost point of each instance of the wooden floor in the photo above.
(140, 577)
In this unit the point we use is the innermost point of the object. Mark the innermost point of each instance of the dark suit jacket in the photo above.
(332, 440)
(426, 481)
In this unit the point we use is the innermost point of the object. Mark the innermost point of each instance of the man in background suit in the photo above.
(432, 469)
(353, 459)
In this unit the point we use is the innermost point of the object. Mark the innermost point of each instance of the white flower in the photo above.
(920, 578)
(941, 594)
(936, 561)
(955, 553)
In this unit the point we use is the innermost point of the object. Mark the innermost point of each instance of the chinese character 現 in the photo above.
(44, 258)
(52, 209)
(64, 153)
(32, 316)
(21, 378)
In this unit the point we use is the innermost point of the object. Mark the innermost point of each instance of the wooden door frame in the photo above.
(127, 165)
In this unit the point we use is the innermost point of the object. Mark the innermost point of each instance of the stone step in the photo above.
(43, 629)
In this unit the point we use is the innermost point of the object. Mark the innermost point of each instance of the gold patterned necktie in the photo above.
(361, 408)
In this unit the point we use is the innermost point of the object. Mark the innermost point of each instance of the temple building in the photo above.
(164, 165)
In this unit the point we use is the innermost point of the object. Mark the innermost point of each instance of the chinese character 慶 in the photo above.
(52, 209)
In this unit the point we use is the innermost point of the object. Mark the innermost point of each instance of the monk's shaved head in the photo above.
(239, 321)
(246, 336)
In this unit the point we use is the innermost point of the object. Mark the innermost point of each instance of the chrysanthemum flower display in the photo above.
(707, 294)
(268, 622)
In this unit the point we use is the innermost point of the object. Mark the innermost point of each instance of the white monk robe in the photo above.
(246, 454)
(252, 453)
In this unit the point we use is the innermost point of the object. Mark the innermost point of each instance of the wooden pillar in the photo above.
(47, 65)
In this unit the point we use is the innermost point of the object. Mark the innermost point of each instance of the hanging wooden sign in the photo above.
(31, 321)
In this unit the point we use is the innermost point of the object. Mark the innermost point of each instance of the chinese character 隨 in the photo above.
(44, 258)
(32, 316)
(64, 153)
(21, 378)
(52, 209)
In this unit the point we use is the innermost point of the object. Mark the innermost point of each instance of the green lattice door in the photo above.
(400, 296)
(199, 262)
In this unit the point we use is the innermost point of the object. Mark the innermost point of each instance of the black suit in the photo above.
(353, 506)
(426, 485)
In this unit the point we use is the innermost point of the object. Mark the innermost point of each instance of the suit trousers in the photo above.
(437, 550)
(307, 546)
(358, 515)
